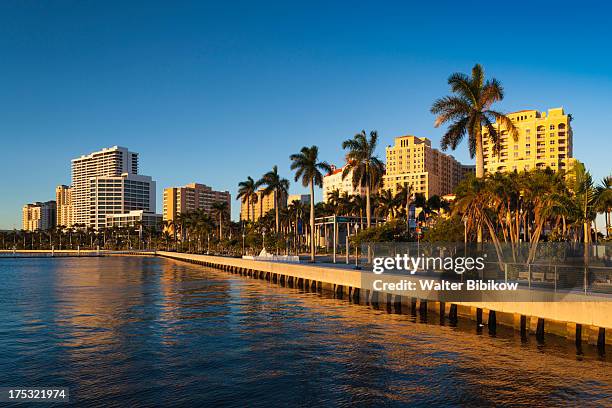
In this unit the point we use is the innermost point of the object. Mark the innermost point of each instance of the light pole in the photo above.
(243, 237)
(263, 238)
(356, 248)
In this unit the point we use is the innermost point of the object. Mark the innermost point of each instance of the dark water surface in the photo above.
(130, 331)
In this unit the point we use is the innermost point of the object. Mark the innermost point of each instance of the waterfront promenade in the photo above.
(577, 316)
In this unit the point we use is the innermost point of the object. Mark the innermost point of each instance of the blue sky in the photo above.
(215, 92)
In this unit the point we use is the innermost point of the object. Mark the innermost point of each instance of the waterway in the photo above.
(144, 331)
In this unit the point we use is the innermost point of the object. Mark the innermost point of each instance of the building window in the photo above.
(552, 127)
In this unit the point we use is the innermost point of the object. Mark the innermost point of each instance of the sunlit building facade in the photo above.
(412, 161)
(107, 182)
(63, 199)
(545, 139)
(39, 216)
(261, 206)
(191, 197)
(334, 181)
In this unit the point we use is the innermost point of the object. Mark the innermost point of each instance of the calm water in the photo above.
(148, 332)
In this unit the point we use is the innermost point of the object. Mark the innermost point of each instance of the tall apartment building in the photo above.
(194, 196)
(544, 140)
(39, 216)
(107, 182)
(265, 203)
(63, 199)
(412, 161)
(333, 181)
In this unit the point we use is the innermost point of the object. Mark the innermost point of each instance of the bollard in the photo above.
(452, 314)
(540, 330)
(492, 323)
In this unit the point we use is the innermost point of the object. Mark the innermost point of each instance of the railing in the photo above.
(556, 266)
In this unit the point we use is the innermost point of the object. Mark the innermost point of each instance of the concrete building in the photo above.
(302, 198)
(333, 181)
(107, 182)
(194, 196)
(412, 161)
(133, 218)
(39, 216)
(63, 199)
(264, 204)
(544, 140)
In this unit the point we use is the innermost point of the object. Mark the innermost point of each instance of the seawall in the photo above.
(579, 318)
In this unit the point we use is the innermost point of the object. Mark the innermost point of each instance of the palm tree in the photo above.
(388, 204)
(366, 166)
(220, 208)
(308, 167)
(585, 196)
(604, 201)
(404, 195)
(469, 110)
(277, 185)
(247, 192)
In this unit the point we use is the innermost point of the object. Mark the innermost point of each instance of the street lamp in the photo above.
(243, 236)
(263, 237)
(356, 248)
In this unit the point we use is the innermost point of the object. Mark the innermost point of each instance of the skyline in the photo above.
(182, 85)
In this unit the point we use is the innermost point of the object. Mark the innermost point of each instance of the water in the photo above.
(131, 331)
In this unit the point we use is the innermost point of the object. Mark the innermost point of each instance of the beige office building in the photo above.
(544, 140)
(261, 207)
(194, 196)
(63, 199)
(39, 216)
(334, 181)
(412, 161)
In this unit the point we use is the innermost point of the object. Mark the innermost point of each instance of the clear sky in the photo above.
(215, 92)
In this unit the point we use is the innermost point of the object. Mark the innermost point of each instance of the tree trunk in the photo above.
(312, 221)
(276, 210)
(368, 218)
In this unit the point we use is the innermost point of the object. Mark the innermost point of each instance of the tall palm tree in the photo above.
(247, 193)
(220, 208)
(404, 195)
(276, 185)
(366, 166)
(585, 196)
(308, 167)
(468, 110)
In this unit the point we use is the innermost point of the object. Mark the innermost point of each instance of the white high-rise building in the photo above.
(334, 181)
(107, 182)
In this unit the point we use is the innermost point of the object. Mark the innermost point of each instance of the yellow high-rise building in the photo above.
(264, 204)
(63, 198)
(412, 161)
(544, 140)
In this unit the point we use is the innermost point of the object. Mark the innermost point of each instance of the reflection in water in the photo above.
(147, 331)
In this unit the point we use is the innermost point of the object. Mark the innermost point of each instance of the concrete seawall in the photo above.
(582, 321)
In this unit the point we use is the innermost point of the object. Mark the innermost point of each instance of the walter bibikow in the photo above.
(443, 285)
